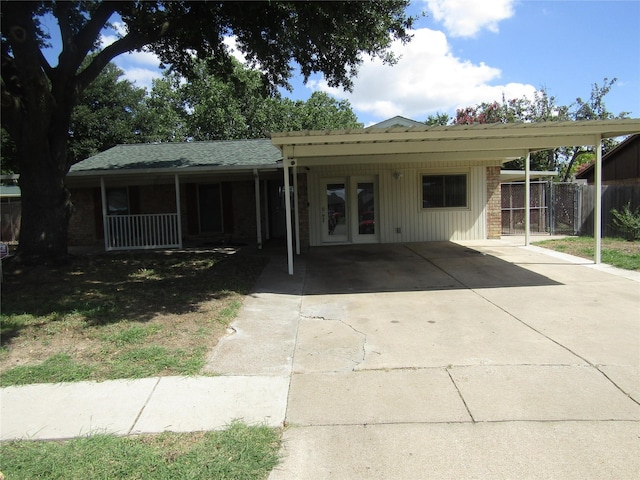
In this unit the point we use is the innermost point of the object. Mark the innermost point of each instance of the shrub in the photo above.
(627, 221)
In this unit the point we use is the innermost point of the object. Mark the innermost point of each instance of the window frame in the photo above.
(443, 175)
(110, 192)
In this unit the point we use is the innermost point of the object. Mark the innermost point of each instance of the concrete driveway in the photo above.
(447, 361)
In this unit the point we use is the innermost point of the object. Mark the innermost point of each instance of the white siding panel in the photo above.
(400, 202)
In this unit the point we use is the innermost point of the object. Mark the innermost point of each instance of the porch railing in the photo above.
(137, 232)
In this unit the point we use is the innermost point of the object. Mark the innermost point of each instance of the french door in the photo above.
(349, 210)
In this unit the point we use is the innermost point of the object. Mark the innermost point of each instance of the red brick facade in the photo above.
(494, 203)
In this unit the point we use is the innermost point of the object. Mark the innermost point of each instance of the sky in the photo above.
(465, 52)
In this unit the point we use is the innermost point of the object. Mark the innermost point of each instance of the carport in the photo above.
(479, 144)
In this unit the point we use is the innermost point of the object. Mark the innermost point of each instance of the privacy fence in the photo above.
(563, 208)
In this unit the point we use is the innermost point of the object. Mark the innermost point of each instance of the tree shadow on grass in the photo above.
(110, 288)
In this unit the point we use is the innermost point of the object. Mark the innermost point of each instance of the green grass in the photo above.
(239, 452)
(119, 315)
(57, 368)
(614, 251)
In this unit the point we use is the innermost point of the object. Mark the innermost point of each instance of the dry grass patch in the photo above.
(124, 315)
(615, 251)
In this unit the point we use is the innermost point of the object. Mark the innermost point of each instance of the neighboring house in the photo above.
(620, 166)
(168, 194)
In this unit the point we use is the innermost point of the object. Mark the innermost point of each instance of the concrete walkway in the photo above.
(432, 360)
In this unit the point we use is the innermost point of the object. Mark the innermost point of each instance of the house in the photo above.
(168, 194)
(620, 166)
(415, 183)
(383, 184)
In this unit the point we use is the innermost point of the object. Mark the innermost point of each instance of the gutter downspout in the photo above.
(295, 208)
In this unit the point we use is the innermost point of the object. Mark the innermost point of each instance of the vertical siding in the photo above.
(400, 202)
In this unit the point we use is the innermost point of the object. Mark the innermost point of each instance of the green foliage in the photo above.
(209, 107)
(240, 452)
(627, 222)
(543, 108)
(107, 114)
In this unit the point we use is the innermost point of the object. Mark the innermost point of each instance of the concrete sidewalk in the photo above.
(431, 360)
(252, 367)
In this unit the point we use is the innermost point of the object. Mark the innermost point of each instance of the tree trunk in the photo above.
(46, 204)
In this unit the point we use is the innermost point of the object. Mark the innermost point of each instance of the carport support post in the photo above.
(527, 199)
(597, 207)
(287, 204)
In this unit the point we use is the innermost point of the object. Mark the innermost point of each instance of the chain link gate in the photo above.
(513, 211)
(554, 208)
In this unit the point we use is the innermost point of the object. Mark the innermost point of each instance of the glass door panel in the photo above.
(364, 207)
(335, 226)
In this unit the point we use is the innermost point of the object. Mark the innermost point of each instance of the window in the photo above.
(117, 201)
(444, 191)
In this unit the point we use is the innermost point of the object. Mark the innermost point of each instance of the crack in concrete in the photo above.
(362, 335)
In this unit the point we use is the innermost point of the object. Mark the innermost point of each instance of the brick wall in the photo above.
(494, 203)
(82, 225)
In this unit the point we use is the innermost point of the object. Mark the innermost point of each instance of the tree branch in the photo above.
(125, 44)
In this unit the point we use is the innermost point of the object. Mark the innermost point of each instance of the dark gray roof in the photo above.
(220, 154)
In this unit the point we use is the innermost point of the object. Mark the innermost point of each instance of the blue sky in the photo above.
(465, 52)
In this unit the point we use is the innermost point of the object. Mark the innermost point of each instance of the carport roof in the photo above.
(495, 141)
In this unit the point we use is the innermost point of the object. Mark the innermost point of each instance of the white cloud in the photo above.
(465, 18)
(231, 45)
(427, 79)
(139, 68)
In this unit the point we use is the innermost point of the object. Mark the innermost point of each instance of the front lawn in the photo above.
(120, 315)
(617, 252)
(240, 453)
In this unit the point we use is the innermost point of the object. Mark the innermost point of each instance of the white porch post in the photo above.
(178, 209)
(295, 208)
(597, 207)
(256, 186)
(287, 203)
(527, 199)
(105, 224)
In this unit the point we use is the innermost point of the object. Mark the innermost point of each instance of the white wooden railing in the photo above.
(136, 232)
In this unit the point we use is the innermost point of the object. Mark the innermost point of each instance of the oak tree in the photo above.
(38, 98)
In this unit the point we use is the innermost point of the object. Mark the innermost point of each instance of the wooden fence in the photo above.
(613, 196)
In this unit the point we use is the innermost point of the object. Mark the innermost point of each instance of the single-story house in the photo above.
(388, 183)
(620, 166)
(166, 194)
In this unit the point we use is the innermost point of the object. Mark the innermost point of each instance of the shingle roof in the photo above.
(229, 153)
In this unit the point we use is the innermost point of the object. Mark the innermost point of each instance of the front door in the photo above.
(348, 210)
